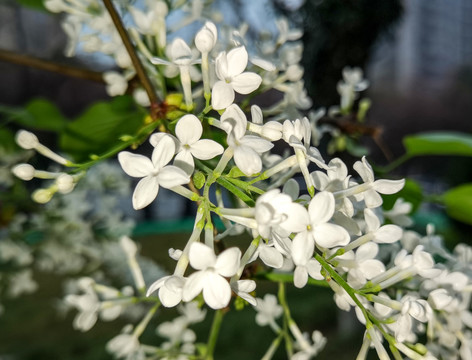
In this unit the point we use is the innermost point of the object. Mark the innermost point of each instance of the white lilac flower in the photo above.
(375, 187)
(229, 69)
(412, 308)
(182, 59)
(385, 234)
(176, 331)
(271, 210)
(243, 288)
(362, 265)
(210, 275)
(247, 148)
(399, 213)
(192, 312)
(268, 310)
(272, 130)
(124, 346)
(170, 289)
(313, 226)
(307, 352)
(116, 83)
(189, 131)
(154, 172)
(206, 38)
(353, 83)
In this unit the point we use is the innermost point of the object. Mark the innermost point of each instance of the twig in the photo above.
(156, 112)
(27, 60)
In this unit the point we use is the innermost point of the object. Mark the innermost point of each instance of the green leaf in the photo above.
(199, 179)
(235, 172)
(100, 127)
(7, 140)
(38, 114)
(33, 4)
(411, 193)
(439, 143)
(458, 202)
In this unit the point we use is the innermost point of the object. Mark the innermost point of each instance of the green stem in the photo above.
(287, 278)
(273, 347)
(394, 164)
(215, 330)
(287, 319)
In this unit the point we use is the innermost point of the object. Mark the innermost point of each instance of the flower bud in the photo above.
(205, 39)
(24, 171)
(272, 130)
(294, 72)
(128, 246)
(65, 183)
(42, 196)
(27, 140)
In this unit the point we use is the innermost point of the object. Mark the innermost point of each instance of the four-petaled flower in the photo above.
(210, 277)
(153, 172)
(229, 69)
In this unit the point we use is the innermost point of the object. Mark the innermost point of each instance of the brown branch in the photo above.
(138, 66)
(27, 60)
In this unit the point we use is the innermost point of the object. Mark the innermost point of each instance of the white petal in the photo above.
(247, 160)
(163, 152)
(188, 129)
(194, 285)
(216, 291)
(206, 149)
(221, 66)
(171, 176)
(371, 220)
(222, 95)
(300, 276)
(156, 285)
(372, 268)
(302, 248)
(169, 298)
(184, 160)
(364, 170)
(389, 186)
(256, 115)
(234, 120)
(237, 61)
(321, 208)
(246, 83)
(297, 219)
(372, 199)
(367, 251)
(314, 269)
(271, 257)
(135, 165)
(227, 263)
(330, 235)
(145, 192)
(246, 285)
(256, 143)
(388, 234)
(180, 52)
(201, 256)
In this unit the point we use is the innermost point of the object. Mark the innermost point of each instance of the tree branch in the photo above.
(27, 60)
(138, 66)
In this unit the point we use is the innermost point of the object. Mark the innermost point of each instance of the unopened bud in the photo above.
(24, 171)
(42, 196)
(65, 183)
(206, 38)
(26, 139)
(294, 72)
(128, 246)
